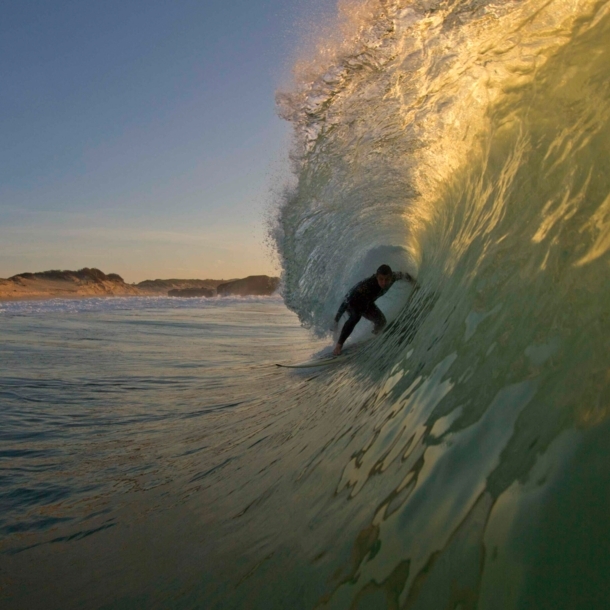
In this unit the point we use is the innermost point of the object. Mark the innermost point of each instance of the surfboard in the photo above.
(348, 353)
(316, 362)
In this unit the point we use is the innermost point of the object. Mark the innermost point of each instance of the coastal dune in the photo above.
(65, 284)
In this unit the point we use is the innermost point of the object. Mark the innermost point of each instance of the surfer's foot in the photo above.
(337, 350)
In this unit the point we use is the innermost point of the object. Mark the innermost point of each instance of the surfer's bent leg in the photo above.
(375, 315)
(348, 327)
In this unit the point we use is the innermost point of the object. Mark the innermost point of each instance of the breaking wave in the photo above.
(467, 142)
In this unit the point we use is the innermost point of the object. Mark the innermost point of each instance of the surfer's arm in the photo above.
(403, 275)
(341, 310)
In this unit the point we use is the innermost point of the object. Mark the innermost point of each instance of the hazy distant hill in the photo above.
(164, 286)
(202, 291)
(251, 285)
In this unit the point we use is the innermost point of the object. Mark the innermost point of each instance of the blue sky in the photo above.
(141, 137)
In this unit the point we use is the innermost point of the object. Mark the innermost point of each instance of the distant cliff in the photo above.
(251, 285)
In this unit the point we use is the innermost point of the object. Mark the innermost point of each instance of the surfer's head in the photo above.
(384, 276)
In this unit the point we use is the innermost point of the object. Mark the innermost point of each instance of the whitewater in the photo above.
(152, 455)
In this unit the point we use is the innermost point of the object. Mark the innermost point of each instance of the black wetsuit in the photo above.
(360, 302)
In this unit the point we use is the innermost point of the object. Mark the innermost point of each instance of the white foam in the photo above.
(106, 304)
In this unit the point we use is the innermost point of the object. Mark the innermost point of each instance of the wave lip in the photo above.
(386, 114)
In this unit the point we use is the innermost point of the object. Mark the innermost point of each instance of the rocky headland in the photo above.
(163, 287)
(88, 282)
(251, 285)
(192, 292)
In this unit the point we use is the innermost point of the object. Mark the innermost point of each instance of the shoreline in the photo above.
(50, 297)
(76, 297)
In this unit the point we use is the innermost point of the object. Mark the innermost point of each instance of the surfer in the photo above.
(360, 302)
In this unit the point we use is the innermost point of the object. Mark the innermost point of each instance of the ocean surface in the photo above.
(120, 422)
(152, 456)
